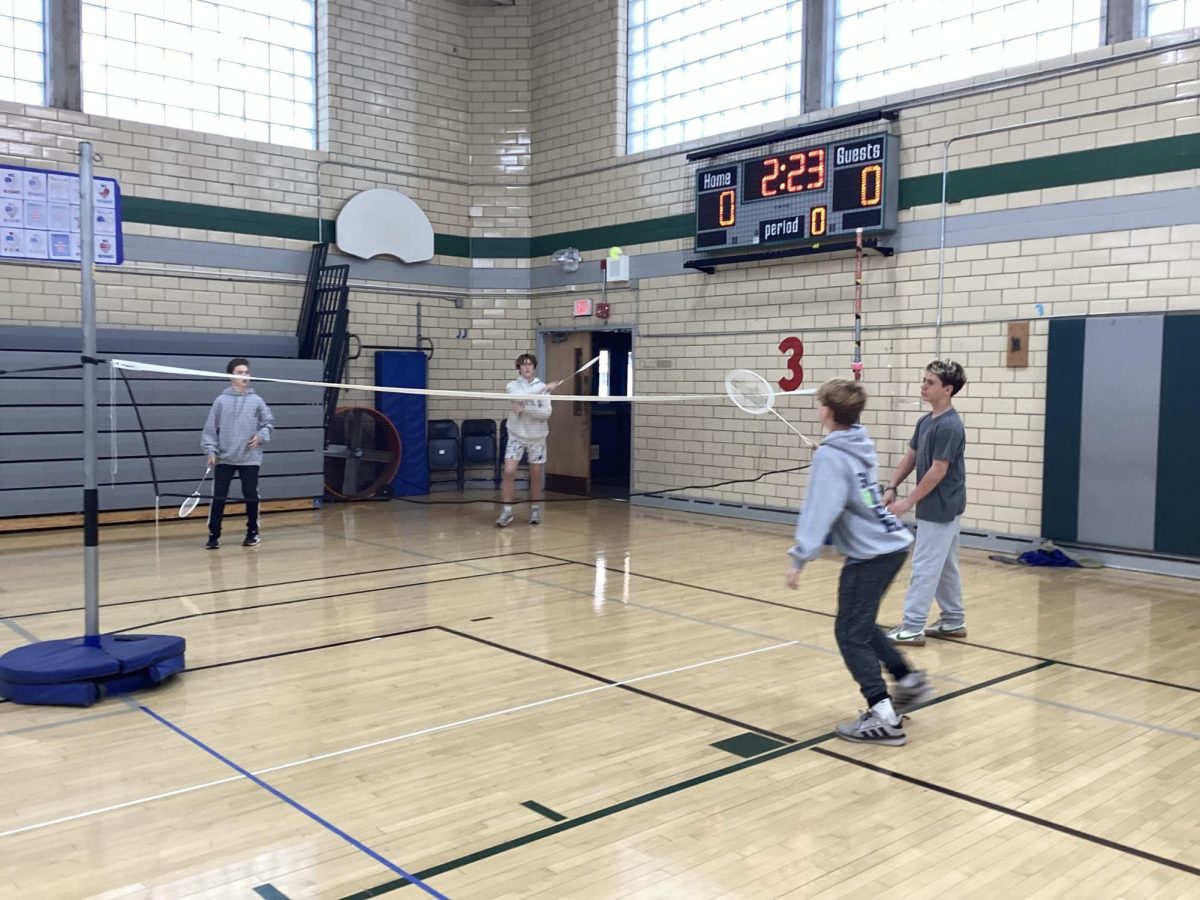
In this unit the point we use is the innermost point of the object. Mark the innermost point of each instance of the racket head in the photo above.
(186, 507)
(750, 392)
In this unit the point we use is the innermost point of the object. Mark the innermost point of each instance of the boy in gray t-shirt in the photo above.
(940, 497)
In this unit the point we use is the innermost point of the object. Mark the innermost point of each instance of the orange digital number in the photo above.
(816, 168)
(767, 190)
(870, 185)
(797, 160)
(727, 208)
(818, 218)
(794, 347)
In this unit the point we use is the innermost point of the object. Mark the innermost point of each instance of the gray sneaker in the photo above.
(535, 515)
(910, 692)
(940, 629)
(870, 729)
(505, 519)
(898, 635)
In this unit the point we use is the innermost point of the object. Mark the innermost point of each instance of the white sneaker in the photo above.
(898, 635)
(506, 517)
(871, 728)
(535, 515)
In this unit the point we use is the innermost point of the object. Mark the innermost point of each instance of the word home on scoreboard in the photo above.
(805, 194)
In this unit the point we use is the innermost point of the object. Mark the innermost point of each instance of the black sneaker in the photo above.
(214, 543)
(251, 539)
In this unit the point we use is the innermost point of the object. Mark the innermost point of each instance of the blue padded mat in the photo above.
(68, 660)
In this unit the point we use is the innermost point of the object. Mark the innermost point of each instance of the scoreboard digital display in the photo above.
(805, 195)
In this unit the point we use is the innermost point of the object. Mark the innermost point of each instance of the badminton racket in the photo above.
(587, 365)
(186, 507)
(752, 393)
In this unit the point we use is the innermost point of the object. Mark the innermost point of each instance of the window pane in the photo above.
(697, 68)
(889, 46)
(22, 53)
(232, 67)
(1165, 16)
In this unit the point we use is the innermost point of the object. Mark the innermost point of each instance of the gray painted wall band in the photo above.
(1118, 445)
(1156, 209)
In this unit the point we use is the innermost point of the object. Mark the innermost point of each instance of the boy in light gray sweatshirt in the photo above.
(238, 424)
(844, 502)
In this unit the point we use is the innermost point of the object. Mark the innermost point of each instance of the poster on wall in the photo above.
(39, 216)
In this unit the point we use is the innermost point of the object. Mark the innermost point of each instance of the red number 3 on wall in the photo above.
(794, 347)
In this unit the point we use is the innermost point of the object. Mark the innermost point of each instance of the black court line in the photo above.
(271, 584)
(544, 811)
(1009, 811)
(370, 590)
(625, 687)
(769, 756)
(817, 612)
(329, 646)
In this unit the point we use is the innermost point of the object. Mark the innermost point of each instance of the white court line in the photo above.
(401, 737)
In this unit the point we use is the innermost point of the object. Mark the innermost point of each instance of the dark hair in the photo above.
(844, 398)
(526, 356)
(234, 363)
(949, 373)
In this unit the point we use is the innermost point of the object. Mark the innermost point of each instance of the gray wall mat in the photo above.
(1118, 443)
(57, 501)
(297, 369)
(51, 419)
(31, 447)
(41, 420)
(68, 472)
(33, 391)
(69, 338)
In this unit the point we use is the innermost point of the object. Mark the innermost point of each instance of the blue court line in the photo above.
(359, 845)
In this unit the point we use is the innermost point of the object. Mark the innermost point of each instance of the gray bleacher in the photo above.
(41, 418)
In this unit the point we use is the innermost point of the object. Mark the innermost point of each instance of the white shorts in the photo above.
(517, 448)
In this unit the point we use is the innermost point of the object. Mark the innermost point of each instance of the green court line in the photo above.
(270, 892)
(643, 799)
(546, 811)
(1153, 157)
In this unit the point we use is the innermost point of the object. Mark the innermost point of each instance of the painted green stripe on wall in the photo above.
(220, 218)
(1064, 419)
(1176, 527)
(1145, 158)
(1172, 154)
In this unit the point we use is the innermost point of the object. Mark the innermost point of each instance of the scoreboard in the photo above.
(809, 194)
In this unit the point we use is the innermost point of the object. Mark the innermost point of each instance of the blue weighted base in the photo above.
(70, 673)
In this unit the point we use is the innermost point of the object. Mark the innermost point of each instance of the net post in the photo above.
(87, 316)
(856, 366)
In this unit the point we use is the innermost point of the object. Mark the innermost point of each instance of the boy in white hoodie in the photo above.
(528, 429)
(844, 502)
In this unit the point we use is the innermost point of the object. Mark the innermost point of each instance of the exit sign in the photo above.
(583, 307)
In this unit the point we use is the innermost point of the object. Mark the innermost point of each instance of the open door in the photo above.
(569, 447)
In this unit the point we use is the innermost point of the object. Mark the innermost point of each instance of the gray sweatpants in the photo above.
(934, 576)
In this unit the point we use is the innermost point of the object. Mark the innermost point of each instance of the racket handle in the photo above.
(803, 436)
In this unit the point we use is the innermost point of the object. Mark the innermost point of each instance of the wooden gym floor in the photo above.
(618, 703)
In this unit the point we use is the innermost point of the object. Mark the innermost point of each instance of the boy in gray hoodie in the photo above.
(844, 502)
(239, 423)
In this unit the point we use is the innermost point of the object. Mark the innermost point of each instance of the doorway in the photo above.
(590, 445)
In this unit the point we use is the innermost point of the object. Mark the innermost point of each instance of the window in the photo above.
(1165, 16)
(22, 52)
(697, 69)
(243, 68)
(886, 46)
